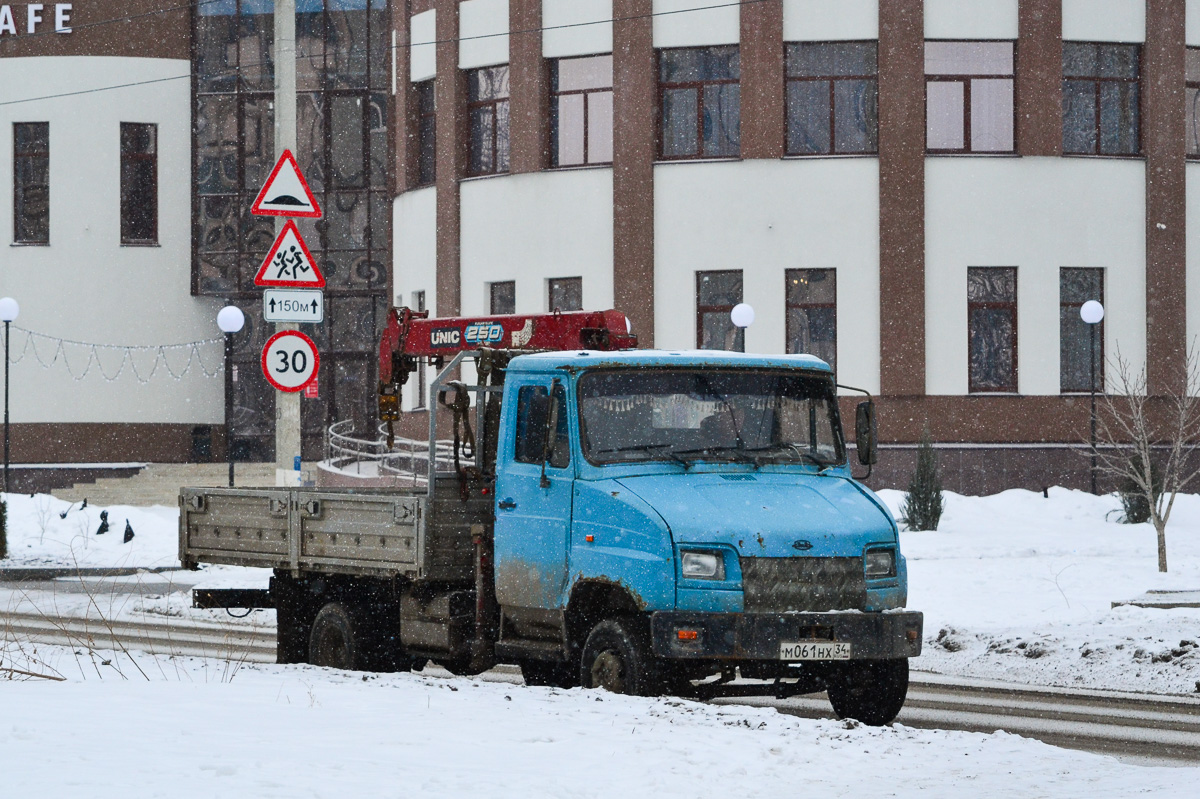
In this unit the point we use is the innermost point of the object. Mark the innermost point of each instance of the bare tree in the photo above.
(1150, 443)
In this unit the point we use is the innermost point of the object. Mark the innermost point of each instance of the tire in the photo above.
(333, 642)
(871, 691)
(617, 658)
(549, 674)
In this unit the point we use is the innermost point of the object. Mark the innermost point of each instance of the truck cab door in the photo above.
(534, 488)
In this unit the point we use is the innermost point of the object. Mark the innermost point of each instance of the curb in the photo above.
(35, 574)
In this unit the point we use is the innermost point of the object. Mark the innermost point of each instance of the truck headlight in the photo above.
(702, 565)
(879, 563)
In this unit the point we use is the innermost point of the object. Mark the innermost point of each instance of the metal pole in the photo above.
(6, 438)
(287, 404)
(229, 404)
(1092, 352)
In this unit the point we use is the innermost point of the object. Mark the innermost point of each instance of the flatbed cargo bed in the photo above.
(393, 532)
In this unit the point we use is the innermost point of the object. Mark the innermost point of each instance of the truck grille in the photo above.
(778, 585)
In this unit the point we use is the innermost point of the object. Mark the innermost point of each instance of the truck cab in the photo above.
(695, 510)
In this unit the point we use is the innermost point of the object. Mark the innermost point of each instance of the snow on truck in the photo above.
(642, 521)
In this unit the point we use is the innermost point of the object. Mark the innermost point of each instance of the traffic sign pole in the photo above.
(287, 404)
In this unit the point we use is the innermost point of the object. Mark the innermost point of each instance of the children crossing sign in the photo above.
(290, 263)
(286, 192)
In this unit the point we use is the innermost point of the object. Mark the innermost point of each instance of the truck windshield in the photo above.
(687, 415)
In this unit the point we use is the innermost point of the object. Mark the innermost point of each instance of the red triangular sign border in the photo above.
(262, 280)
(257, 208)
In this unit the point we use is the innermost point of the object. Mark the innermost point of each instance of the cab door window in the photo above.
(534, 411)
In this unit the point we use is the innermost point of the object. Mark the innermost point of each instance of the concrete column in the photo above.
(635, 91)
(762, 132)
(451, 157)
(1163, 143)
(901, 198)
(528, 89)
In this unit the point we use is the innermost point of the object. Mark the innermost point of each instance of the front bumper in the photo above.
(756, 636)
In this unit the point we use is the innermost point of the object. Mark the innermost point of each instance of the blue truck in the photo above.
(641, 521)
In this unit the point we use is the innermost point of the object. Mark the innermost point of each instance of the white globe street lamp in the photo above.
(742, 315)
(231, 320)
(9, 309)
(1092, 313)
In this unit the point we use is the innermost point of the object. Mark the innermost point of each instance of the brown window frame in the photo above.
(129, 203)
(554, 282)
(699, 86)
(1011, 306)
(27, 158)
(426, 105)
(788, 306)
(555, 94)
(1192, 136)
(1099, 82)
(492, 291)
(494, 104)
(701, 310)
(1074, 307)
(418, 301)
(831, 80)
(965, 79)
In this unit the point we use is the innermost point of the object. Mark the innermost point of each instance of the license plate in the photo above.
(814, 650)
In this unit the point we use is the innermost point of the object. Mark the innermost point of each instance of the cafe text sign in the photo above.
(34, 18)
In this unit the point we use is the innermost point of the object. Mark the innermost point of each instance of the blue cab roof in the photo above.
(591, 359)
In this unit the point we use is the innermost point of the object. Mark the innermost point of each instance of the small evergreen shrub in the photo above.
(1134, 503)
(923, 502)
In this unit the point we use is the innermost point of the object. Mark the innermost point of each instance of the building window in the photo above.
(701, 102)
(31, 182)
(812, 313)
(581, 111)
(716, 294)
(503, 297)
(832, 98)
(487, 108)
(426, 133)
(1080, 345)
(565, 294)
(1192, 95)
(1100, 95)
(992, 328)
(969, 97)
(139, 183)
(418, 301)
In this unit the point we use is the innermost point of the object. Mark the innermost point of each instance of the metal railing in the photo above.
(406, 461)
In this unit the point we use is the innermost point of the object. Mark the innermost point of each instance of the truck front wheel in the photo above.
(871, 691)
(333, 642)
(617, 658)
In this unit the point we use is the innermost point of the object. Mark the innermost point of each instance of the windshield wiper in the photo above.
(801, 453)
(649, 449)
(738, 453)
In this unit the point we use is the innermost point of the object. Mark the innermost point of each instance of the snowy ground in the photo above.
(184, 728)
(1014, 586)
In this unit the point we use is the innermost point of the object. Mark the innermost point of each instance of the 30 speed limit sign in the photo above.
(290, 360)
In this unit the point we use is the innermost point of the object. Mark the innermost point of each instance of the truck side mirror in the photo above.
(866, 433)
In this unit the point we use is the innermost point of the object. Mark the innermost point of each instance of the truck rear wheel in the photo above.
(334, 642)
(871, 691)
(617, 658)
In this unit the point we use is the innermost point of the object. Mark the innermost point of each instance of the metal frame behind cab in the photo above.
(435, 388)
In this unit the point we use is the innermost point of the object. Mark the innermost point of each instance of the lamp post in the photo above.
(8, 314)
(1092, 312)
(230, 319)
